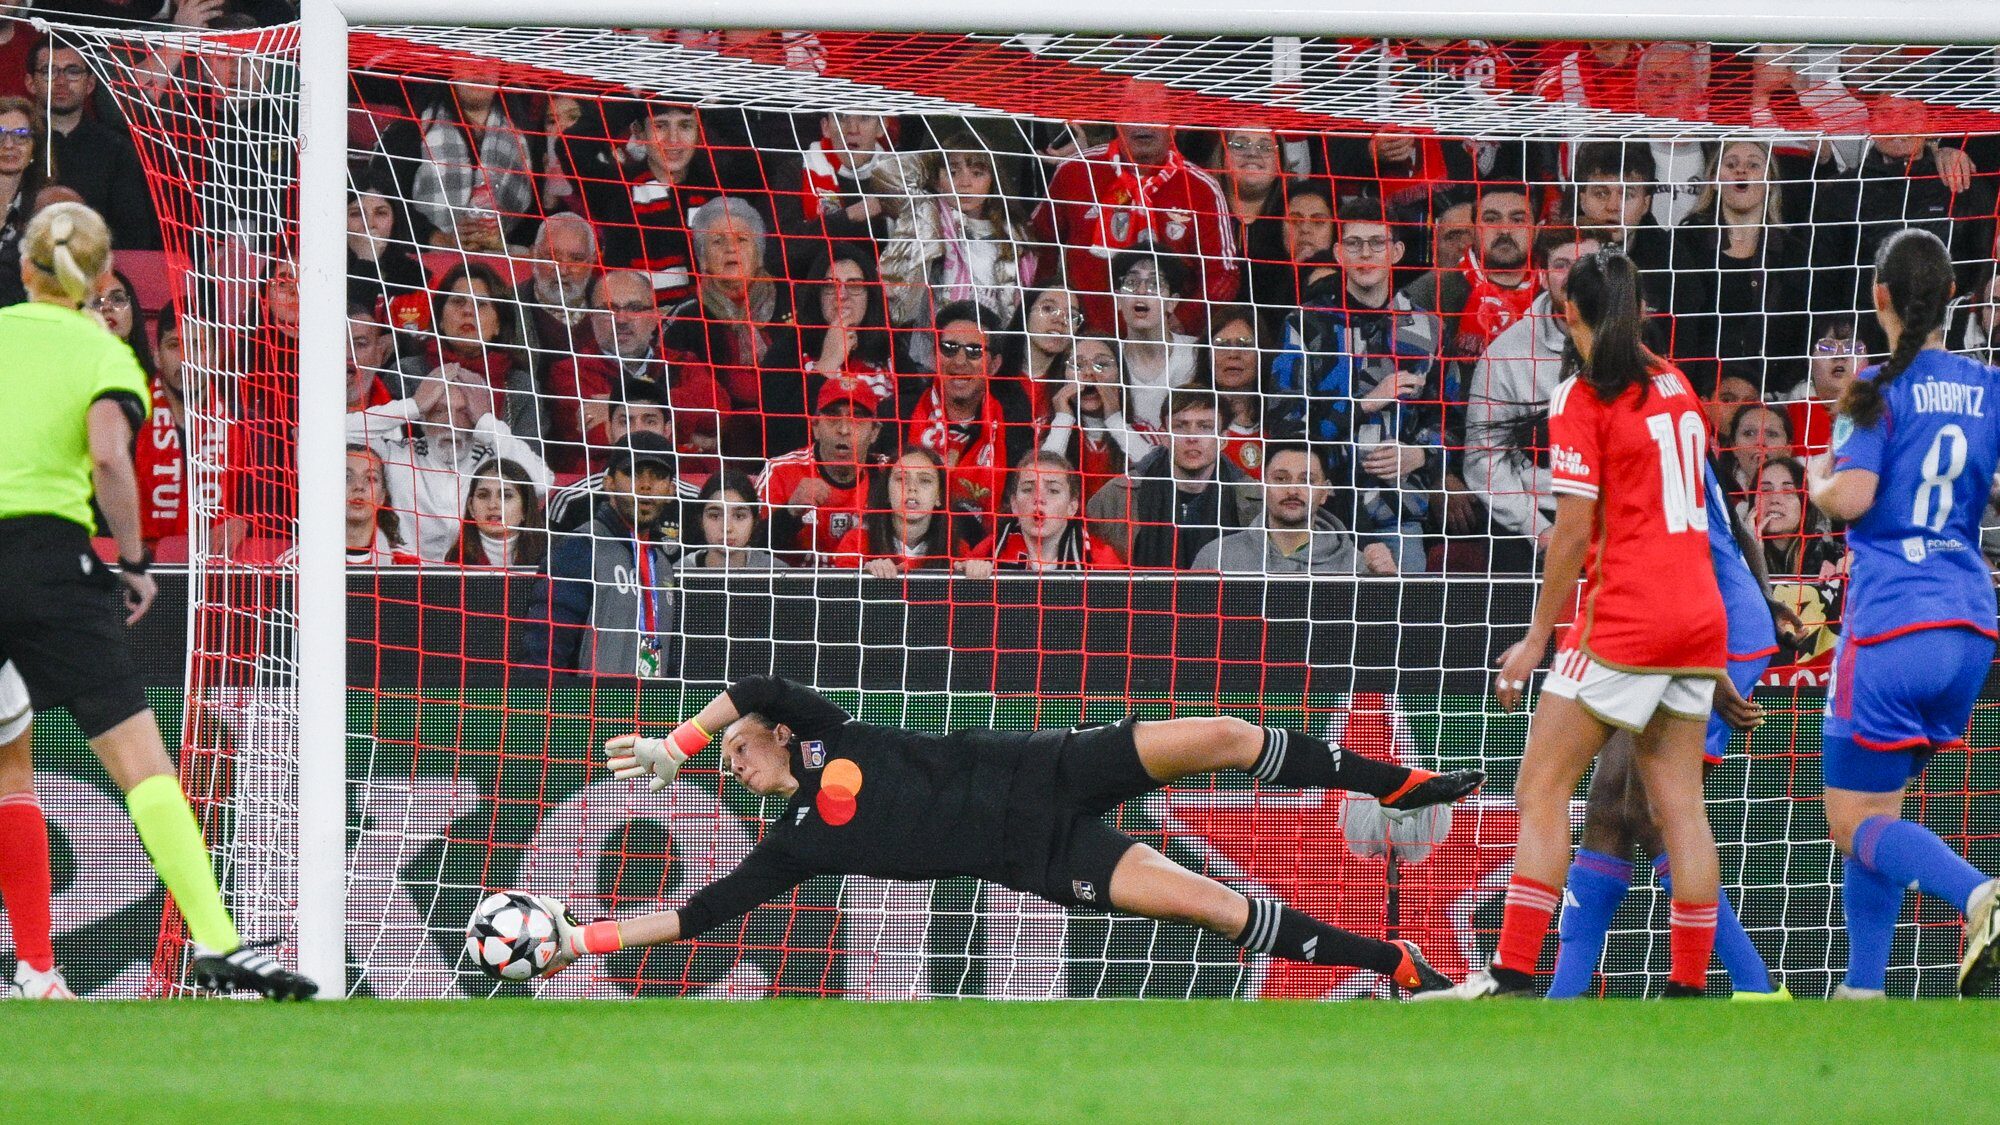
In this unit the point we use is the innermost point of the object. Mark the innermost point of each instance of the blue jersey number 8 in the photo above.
(1942, 466)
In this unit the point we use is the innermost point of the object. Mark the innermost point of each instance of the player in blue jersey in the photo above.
(1914, 450)
(1617, 815)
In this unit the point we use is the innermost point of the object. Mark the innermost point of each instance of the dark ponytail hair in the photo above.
(1604, 286)
(1916, 268)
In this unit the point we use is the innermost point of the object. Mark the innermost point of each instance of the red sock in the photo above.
(24, 878)
(1531, 908)
(1691, 941)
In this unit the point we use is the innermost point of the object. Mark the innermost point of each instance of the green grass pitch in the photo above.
(479, 1061)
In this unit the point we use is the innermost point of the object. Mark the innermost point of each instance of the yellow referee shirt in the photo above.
(54, 363)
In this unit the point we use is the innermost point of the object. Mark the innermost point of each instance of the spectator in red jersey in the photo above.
(1179, 498)
(381, 264)
(841, 327)
(1506, 444)
(466, 169)
(1300, 535)
(739, 323)
(1250, 164)
(1603, 74)
(975, 424)
(816, 494)
(638, 184)
(734, 535)
(92, 157)
(1740, 275)
(503, 519)
(370, 359)
(554, 300)
(1492, 288)
(1757, 435)
(1087, 423)
(1794, 533)
(374, 535)
(1050, 325)
(1236, 372)
(473, 325)
(20, 178)
(1836, 355)
(1138, 191)
(629, 360)
(955, 239)
(1044, 529)
(1154, 356)
(907, 525)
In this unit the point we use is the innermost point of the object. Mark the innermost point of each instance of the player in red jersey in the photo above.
(1627, 445)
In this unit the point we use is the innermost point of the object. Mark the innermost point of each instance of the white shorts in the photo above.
(16, 713)
(1629, 700)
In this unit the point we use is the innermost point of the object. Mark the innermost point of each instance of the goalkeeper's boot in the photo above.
(1415, 974)
(1843, 992)
(1437, 789)
(31, 985)
(1982, 940)
(1778, 994)
(1484, 985)
(248, 968)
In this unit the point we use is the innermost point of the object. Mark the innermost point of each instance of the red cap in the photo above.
(846, 389)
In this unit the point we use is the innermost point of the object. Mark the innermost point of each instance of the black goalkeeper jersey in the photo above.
(975, 802)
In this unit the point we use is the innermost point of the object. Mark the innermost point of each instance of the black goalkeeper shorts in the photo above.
(1096, 771)
(62, 625)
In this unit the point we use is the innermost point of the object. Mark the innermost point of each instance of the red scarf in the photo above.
(973, 470)
(1491, 309)
(1128, 212)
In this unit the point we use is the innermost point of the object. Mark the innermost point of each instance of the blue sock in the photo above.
(1906, 853)
(1597, 884)
(1871, 903)
(1747, 971)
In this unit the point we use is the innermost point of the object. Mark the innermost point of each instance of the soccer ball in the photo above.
(511, 936)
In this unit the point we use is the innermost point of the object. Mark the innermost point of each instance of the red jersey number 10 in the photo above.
(1681, 451)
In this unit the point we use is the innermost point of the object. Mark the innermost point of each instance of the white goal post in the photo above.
(323, 170)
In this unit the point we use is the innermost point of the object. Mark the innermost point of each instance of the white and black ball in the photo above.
(511, 936)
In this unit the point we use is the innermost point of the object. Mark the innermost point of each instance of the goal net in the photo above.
(679, 356)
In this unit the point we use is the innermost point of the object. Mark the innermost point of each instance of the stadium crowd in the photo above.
(749, 340)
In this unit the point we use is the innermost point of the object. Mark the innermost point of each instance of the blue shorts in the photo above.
(1744, 674)
(1894, 704)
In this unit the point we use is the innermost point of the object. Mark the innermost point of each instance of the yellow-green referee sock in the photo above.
(166, 826)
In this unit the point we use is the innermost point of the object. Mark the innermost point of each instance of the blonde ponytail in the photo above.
(67, 249)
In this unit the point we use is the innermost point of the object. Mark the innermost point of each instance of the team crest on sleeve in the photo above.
(814, 753)
(1843, 428)
(1083, 889)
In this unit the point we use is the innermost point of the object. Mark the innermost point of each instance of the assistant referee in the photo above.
(1023, 810)
(74, 396)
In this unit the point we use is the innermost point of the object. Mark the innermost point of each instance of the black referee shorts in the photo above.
(62, 625)
(1096, 771)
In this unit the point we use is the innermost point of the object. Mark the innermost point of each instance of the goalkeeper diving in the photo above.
(1018, 809)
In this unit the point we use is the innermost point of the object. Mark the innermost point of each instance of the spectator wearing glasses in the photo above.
(20, 179)
(1837, 355)
(89, 156)
(842, 331)
(1250, 164)
(1180, 497)
(974, 423)
(1051, 321)
(1044, 528)
(1155, 357)
(628, 361)
(818, 494)
(1086, 423)
(1299, 535)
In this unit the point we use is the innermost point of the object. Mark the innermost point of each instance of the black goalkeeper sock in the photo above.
(1277, 930)
(1300, 761)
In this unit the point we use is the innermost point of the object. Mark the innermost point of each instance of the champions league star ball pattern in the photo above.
(511, 937)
